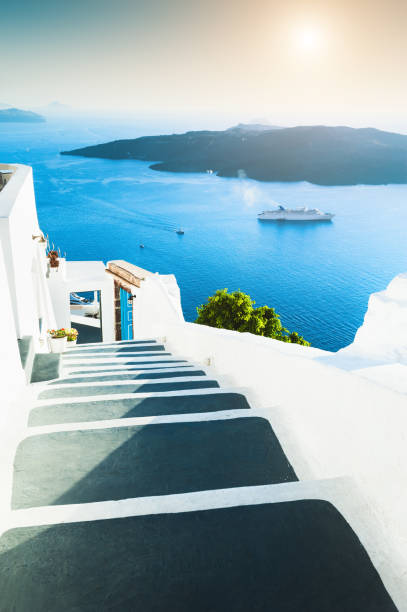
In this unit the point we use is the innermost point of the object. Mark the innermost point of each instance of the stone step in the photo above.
(80, 466)
(138, 407)
(133, 348)
(298, 556)
(146, 385)
(128, 375)
(83, 360)
(145, 366)
(118, 343)
(116, 360)
(27, 354)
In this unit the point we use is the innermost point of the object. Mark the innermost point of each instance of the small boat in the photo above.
(83, 306)
(180, 231)
(141, 246)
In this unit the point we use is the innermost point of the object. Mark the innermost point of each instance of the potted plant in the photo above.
(57, 340)
(72, 336)
(53, 259)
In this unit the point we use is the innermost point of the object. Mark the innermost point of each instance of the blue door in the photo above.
(126, 311)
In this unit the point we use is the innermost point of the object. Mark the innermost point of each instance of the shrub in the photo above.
(71, 334)
(236, 311)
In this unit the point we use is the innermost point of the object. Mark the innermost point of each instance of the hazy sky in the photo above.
(302, 60)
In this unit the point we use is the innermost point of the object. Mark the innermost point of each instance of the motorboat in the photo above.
(82, 306)
(180, 231)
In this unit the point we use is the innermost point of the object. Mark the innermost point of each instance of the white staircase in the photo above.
(142, 484)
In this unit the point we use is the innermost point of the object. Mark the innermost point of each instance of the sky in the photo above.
(291, 61)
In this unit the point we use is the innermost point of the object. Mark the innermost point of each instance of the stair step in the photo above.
(117, 343)
(114, 350)
(83, 360)
(115, 360)
(74, 467)
(293, 556)
(146, 366)
(127, 375)
(138, 407)
(89, 390)
(27, 354)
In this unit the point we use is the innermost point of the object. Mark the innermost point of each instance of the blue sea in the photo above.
(318, 277)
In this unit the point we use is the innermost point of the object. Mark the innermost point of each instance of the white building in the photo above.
(341, 419)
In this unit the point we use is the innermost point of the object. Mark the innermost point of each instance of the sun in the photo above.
(308, 38)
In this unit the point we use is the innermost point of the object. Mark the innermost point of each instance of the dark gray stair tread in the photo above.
(115, 349)
(299, 556)
(74, 467)
(137, 407)
(141, 365)
(130, 388)
(118, 344)
(125, 376)
(46, 366)
(80, 360)
(25, 346)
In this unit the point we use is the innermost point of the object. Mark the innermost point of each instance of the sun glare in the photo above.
(308, 38)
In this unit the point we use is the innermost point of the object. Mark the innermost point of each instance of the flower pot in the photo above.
(71, 343)
(58, 345)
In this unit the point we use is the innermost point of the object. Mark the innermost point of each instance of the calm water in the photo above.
(317, 276)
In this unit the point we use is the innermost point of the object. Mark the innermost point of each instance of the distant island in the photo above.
(16, 115)
(318, 154)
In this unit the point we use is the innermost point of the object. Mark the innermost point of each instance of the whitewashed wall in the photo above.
(24, 298)
(23, 256)
(331, 422)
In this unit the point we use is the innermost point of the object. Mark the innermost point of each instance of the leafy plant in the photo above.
(71, 334)
(236, 311)
(57, 333)
(53, 259)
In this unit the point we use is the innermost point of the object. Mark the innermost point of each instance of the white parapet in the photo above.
(331, 422)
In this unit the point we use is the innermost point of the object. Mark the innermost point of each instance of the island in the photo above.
(318, 154)
(16, 115)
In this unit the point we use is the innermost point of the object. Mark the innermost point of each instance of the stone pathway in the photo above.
(142, 484)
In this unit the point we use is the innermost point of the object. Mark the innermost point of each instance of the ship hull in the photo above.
(294, 217)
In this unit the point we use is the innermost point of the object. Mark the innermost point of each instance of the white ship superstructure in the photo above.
(295, 214)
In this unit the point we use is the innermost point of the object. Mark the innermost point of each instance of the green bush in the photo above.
(236, 311)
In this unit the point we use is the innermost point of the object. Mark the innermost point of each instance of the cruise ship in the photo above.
(295, 214)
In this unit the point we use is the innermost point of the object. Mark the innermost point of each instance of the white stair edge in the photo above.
(329, 490)
(116, 383)
(92, 375)
(113, 355)
(37, 403)
(115, 342)
(110, 369)
(188, 417)
(91, 351)
(90, 362)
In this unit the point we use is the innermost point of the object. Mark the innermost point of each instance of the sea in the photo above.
(317, 276)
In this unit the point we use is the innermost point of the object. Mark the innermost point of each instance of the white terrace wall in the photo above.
(24, 295)
(11, 372)
(331, 422)
(382, 339)
(24, 257)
